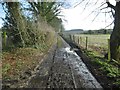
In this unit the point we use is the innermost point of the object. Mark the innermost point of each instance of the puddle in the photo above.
(80, 68)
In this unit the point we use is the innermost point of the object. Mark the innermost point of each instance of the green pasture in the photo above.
(95, 40)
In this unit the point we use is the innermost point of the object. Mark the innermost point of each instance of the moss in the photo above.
(59, 42)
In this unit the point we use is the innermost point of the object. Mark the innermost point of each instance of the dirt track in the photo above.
(63, 68)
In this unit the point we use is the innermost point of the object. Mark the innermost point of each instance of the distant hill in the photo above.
(73, 31)
(81, 31)
(101, 31)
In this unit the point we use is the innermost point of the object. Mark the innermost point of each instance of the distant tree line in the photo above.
(101, 31)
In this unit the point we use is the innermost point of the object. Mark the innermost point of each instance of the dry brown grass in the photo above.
(19, 60)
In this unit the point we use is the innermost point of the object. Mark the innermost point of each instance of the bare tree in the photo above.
(115, 36)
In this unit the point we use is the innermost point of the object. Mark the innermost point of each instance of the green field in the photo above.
(97, 43)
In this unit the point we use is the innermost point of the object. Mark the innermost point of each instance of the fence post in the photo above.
(86, 42)
(73, 38)
(70, 37)
(81, 40)
(78, 40)
(109, 53)
(5, 38)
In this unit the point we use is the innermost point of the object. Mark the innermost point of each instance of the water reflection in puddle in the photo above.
(76, 63)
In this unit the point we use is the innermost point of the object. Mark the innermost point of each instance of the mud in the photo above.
(63, 68)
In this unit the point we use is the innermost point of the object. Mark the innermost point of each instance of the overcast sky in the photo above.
(77, 18)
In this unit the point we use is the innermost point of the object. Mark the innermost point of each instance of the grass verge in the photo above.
(59, 42)
(109, 69)
(19, 62)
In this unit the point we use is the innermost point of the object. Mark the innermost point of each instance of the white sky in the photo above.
(76, 18)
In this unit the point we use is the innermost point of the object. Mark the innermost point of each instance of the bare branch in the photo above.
(109, 24)
(96, 16)
(103, 12)
(96, 2)
(111, 16)
(102, 4)
(86, 6)
(79, 3)
(110, 5)
(103, 8)
(113, 13)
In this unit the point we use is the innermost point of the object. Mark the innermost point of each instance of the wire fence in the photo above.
(99, 43)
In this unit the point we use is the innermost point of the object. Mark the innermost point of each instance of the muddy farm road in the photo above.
(63, 68)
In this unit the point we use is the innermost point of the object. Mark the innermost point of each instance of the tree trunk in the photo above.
(14, 9)
(115, 36)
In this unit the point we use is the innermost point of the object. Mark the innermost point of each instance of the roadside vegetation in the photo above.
(28, 33)
(59, 42)
(96, 51)
(110, 69)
